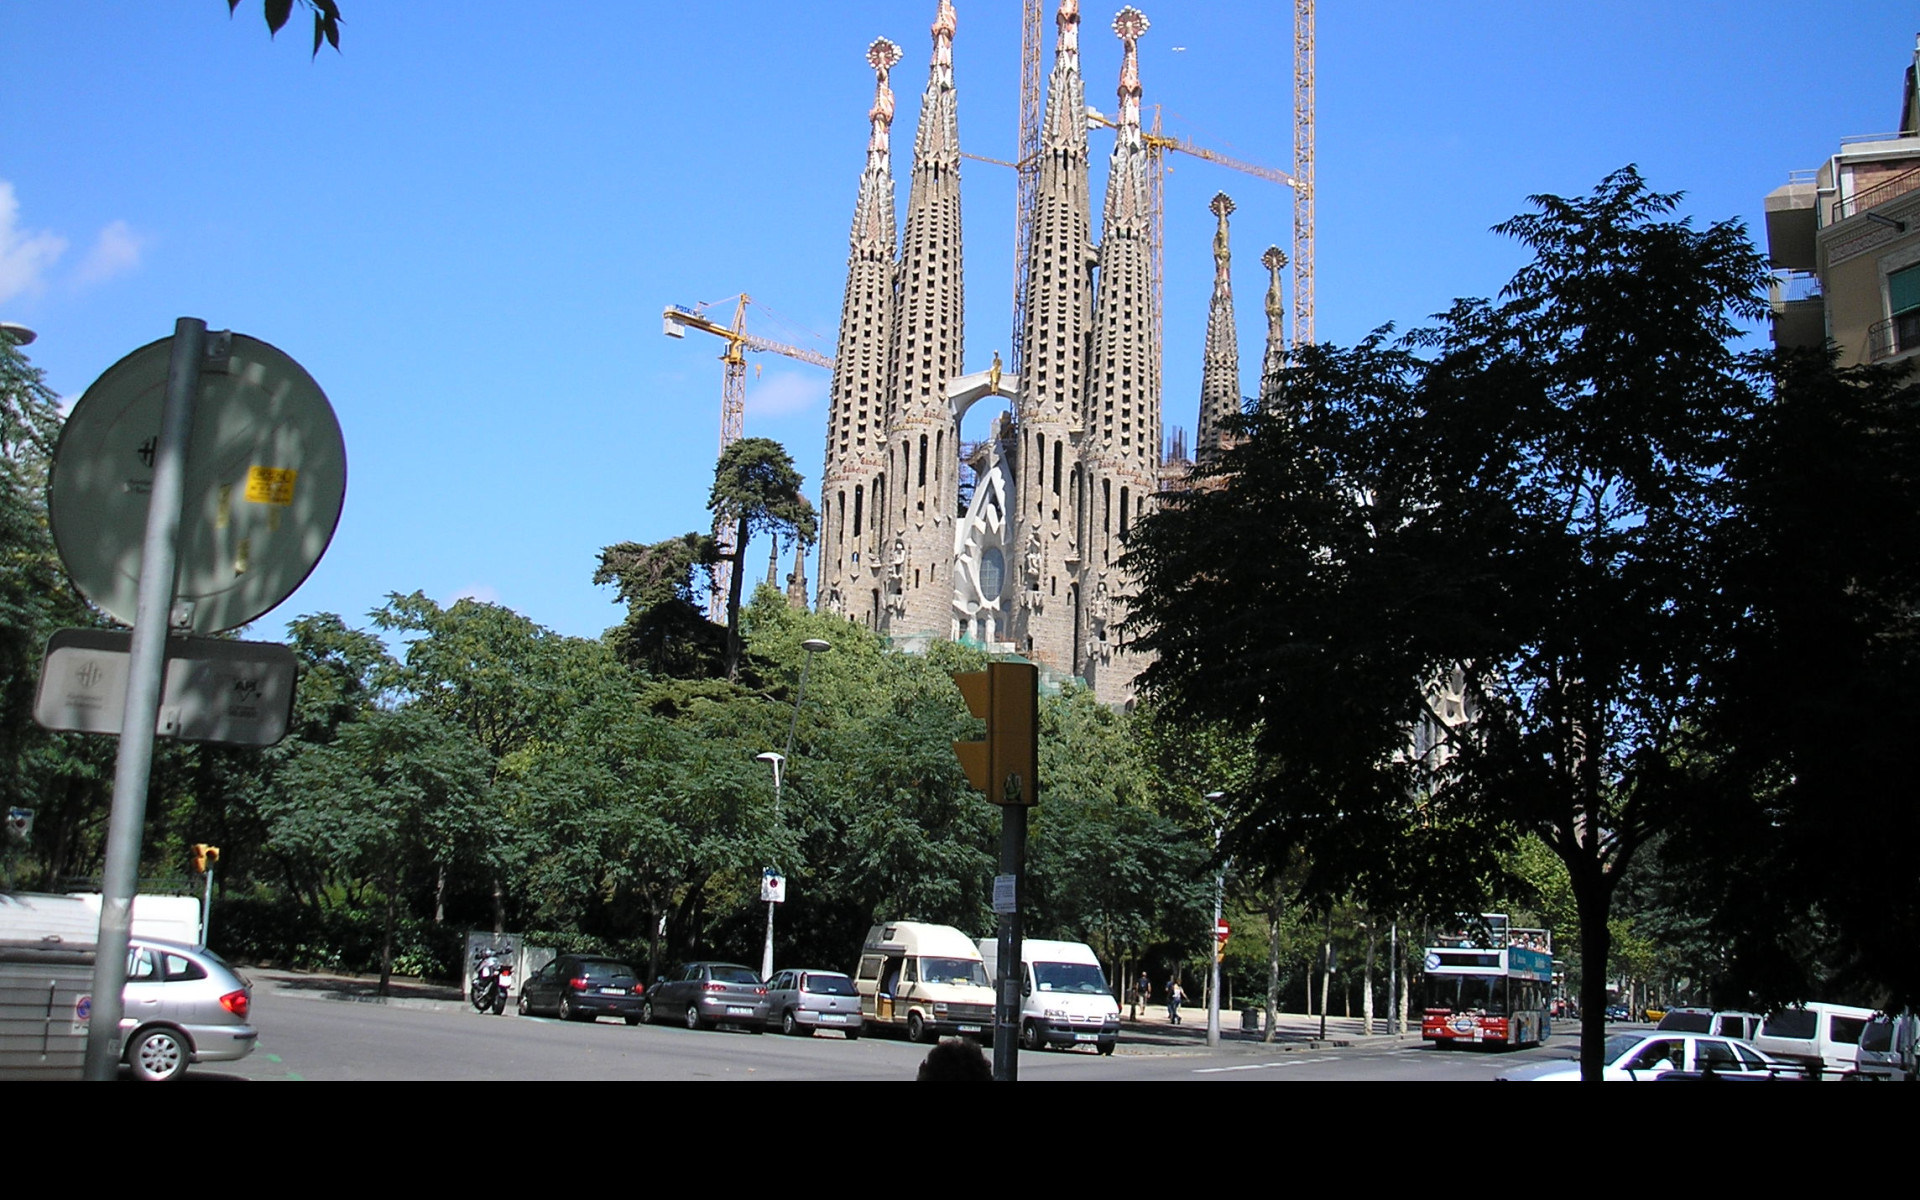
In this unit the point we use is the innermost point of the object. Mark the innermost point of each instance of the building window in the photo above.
(1903, 304)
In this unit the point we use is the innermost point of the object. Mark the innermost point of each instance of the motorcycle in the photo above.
(492, 980)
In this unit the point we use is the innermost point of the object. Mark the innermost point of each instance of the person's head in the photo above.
(955, 1059)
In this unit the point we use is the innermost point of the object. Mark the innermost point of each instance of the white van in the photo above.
(1890, 1048)
(1823, 1036)
(925, 979)
(1064, 997)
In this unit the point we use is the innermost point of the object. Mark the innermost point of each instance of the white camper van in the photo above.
(1064, 997)
(925, 979)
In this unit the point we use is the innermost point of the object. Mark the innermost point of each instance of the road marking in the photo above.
(1265, 1066)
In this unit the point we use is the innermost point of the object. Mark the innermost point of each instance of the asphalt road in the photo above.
(313, 1038)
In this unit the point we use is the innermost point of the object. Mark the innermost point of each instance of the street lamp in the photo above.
(1219, 895)
(778, 762)
(21, 335)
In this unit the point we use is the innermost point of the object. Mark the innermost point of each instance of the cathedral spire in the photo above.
(1129, 25)
(1220, 370)
(918, 500)
(937, 142)
(1276, 357)
(856, 447)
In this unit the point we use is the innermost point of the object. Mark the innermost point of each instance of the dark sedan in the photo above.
(709, 993)
(580, 987)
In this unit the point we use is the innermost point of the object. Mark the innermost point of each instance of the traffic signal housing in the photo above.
(1005, 767)
(204, 856)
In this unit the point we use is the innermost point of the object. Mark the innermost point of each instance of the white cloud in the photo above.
(483, 593)
(783, 394)
(24, 256)
(115, 251)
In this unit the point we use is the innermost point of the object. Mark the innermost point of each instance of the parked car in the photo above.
(927, 980)
(708, 993)
(1618, 1012)
(803, 1001)
(183, 1004)
(1064, 998)
(583, 987)
(1638, 1057)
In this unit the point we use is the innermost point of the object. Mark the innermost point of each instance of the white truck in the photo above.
(1064, 997)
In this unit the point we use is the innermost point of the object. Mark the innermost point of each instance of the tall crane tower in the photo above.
(675, 320)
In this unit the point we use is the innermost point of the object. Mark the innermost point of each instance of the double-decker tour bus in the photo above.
(1488, 983)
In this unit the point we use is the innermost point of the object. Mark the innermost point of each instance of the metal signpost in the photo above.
(194, 487)
(1006, 767)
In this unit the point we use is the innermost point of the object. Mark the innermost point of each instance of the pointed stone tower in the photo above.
(1051, 493)
(859, 397)
(919, 493)
(1275, 360)
(1121, 442)
(1220, 370)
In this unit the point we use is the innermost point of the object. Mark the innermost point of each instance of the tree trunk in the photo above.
(1366, 993)
(1592, 896)
(733, 599)
(440, 894)
(1326, 974)
(1274, 916)
(499, 907)
(1400, 1004)
(386, 934)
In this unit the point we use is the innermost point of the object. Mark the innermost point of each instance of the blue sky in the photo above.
(465, 225)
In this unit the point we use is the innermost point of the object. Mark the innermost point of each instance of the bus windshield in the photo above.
(1468, 993)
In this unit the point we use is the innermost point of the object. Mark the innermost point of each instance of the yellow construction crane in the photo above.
(675, 320)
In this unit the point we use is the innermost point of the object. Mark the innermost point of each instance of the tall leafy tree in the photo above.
(1523, 501)
(664, 631)
(756, 488)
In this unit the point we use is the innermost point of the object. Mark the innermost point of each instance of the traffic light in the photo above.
(213, 855)
(199, 858)
(1006, 766)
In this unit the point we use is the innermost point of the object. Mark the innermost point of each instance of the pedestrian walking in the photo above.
(1142, 995)
(1175, 994)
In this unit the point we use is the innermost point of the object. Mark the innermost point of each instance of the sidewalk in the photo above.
(403, 991)
(1292, 1031)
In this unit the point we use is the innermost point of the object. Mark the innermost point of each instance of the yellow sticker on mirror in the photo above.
(271, 485)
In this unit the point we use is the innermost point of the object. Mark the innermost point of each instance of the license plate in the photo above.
(613, 991)
(734, 1010)
(970, 1029)
(833, 1018)
(1086, 1037)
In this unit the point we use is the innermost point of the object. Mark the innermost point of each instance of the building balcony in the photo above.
(1894, 337)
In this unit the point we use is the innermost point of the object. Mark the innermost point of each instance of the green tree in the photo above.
(1527, 506)
(396, 791)
(1806, 858)
(757, 490)
(665, 631)
(326, 19)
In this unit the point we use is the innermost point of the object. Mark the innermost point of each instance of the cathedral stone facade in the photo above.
(1031, 566)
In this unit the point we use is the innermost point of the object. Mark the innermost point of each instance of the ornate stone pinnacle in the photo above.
(1222, 205)
(882, 55)
(1274, 258)
(1067, 21)
(945, 22)
(1129, 24)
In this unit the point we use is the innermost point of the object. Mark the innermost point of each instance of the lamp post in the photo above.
(778, 762)
(1214, 948)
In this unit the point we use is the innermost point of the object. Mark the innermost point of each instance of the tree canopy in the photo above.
(1461, 586)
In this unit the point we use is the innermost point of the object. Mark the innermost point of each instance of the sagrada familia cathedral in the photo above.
(1031, 565)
